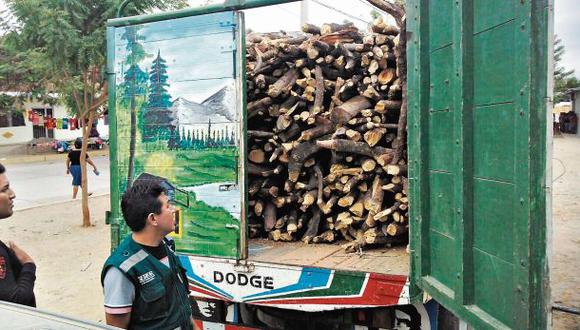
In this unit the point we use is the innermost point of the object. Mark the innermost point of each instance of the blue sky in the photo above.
(567, 27)
(199, 64)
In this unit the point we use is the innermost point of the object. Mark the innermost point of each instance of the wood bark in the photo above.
(326, 133)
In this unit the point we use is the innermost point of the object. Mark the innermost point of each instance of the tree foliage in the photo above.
(60, 46)
(563, 79)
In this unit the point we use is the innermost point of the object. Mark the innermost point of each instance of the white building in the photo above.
(15, 128)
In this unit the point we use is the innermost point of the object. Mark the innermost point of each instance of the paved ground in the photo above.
(41, 183)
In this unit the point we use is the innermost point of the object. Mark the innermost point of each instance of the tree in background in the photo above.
(67, 46)
(158, 114)
(563, 79)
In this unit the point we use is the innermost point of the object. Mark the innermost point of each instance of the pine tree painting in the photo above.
(158, 115)
(134, 86)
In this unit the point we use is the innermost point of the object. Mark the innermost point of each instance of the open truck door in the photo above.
(177, 95)
(478, 93)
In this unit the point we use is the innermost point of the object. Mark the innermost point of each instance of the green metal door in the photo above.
(176, 100)
(478, 72)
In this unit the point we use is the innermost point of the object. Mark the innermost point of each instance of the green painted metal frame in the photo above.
(114, 217)
(227, 5)
(241, 62)
(531, 273)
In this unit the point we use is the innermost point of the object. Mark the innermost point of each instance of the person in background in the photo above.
(17, 269)
(145, 285)
(73, 166)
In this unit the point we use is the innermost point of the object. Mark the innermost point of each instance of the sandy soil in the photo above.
(69, 257)
(566, 230)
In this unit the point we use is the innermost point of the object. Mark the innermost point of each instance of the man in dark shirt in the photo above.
(17, 269)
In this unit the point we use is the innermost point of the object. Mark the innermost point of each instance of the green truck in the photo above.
(480, 179)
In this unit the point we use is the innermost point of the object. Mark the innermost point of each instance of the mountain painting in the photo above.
(178, 124)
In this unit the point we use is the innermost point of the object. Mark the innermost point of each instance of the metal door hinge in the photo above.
(228, 48)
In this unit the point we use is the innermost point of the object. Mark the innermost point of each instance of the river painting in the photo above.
(178, 124)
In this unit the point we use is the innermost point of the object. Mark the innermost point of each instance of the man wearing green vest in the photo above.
(144, 283)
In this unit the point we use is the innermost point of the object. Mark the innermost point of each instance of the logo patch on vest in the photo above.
(146, 278)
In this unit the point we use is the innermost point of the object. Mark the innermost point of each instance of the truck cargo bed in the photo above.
(394, 260)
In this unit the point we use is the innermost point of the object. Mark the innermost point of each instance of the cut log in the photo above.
(313, 226)
(283, 122)
(387, 76)
(310, 28)
(270, 216)
(332, 27)
(292, 224)
(385, 105)
(259, 208)
(298, 156)
(323, 126)
(368, 165)
(349, 109)
(373, 136)
(381, 155)
(395, 229)
(396, 169)
(346, 201)
(284, 84)
(328, 236)
(384, 214)
(379, 26)
(257, 156)
(373, 205)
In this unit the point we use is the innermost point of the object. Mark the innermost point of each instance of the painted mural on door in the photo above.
(177, 124)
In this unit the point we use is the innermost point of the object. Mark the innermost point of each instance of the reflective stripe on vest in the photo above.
(133, 260)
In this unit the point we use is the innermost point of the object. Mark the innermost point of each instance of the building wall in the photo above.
(576, 102)
(576, 106)
(24, 134)
(16, 135)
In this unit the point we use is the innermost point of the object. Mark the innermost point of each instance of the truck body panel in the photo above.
(178, 122)
(305, 288)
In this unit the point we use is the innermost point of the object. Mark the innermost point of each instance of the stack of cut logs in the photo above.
(327, 159)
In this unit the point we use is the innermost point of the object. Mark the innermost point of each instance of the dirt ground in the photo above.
(69, 257)
(566, 229)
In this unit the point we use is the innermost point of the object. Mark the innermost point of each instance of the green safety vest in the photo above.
(161, 294)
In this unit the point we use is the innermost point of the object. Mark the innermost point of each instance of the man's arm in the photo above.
(23, 290)
(67, 165)
(118, 320)
(90, 161)
(119, 295)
